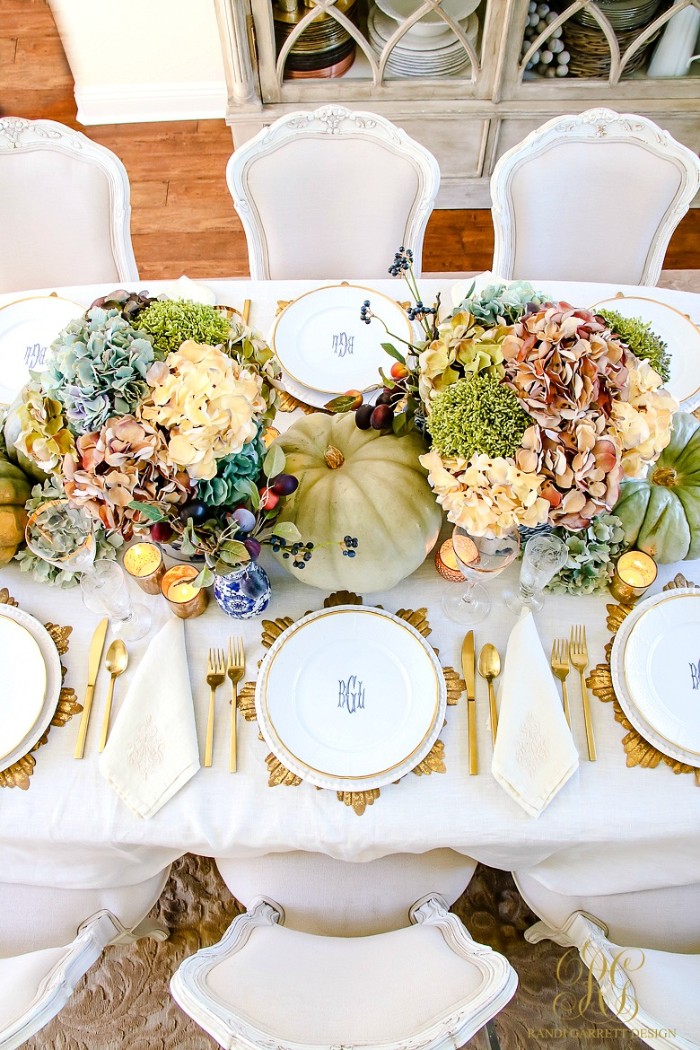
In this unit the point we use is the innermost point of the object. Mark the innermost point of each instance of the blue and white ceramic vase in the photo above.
(243, 593)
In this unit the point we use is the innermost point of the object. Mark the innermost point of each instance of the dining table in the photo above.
(626, 827)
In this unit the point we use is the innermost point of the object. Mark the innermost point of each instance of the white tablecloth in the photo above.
(634, 828)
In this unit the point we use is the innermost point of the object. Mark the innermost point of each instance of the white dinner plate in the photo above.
(27, 329)
(350, 698)
(26, 705)
(655, 667)
(322, 343)
(681, 336)
(432, 21)
(383, 28)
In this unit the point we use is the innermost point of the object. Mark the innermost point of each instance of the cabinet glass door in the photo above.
(368, 49)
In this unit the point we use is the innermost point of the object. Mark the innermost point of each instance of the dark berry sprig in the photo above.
(349, 546)
(366, 314)
(403, 260)
(299, 552)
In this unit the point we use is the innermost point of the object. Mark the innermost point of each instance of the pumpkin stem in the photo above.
(334, 457)
(665, 476)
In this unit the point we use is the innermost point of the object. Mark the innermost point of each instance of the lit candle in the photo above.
(635, 571)
(144, 562)
(446, 563)
(179, 591)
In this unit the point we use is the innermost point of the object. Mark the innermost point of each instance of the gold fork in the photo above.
(578, 654)
(560, 670)
(216, 673)
(235, 670)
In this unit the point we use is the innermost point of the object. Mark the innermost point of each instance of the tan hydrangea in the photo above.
(563, 363)
(486, 496)
(124, 462)
(643, 422)
(207, 402)
(43, 437)
(462, 348)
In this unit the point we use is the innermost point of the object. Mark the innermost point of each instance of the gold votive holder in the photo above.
(446, 563)
(184, 599)
(144, 563)
(635, 572)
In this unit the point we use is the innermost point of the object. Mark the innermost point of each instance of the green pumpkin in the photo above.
(661, 513)
(364, 484)
(14, 493)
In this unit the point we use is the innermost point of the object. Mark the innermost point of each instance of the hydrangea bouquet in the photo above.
(154, 416)
(533, 410)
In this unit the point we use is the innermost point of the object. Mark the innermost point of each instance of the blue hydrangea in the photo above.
(234, 476)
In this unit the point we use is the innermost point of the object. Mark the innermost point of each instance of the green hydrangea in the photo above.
(592, 553)
(97, 368)
(644, 344)
(477, 415)
(107, 543)
(234, 476)
(171, 322)
(499, 304)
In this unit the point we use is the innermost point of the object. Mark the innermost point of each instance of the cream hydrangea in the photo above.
(207, 402)
(643, 422)
(484, 495)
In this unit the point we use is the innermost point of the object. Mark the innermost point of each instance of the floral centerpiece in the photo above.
(533, 410)
(154, 416)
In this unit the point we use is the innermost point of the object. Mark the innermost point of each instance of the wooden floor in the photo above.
(182, 217)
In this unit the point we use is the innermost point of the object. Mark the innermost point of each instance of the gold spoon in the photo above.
(116, 662)
(490, 668)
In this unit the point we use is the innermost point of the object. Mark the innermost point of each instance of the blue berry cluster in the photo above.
(349, 546)
(403, 260)
(419, 311)
(300, 552)
(365, 312)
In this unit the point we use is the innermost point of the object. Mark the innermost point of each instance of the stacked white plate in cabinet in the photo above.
(439, 53)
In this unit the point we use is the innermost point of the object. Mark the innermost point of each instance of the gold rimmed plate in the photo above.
(655, 668)
(350, 698)
(31, 671)
(323, 345)
(27, 329)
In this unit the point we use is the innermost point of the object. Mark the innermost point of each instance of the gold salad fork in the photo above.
(235, 670)
(578, 654)
(560, 670)
(216, 673)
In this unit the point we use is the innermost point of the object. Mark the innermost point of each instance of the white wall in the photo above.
(143, 60)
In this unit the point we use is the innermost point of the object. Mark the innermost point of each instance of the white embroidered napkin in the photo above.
(152, 749)
(534, 755)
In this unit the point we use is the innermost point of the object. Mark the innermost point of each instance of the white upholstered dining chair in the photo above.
(50, 937)
(64, 208)
(642, 948)
(331, 193)
(590, 197)
(355, 955)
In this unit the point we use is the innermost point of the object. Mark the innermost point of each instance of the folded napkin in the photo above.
(534, 755)
(186, 288)
(152, 749)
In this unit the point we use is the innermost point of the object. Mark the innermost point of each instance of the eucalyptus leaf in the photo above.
(343, 403)
(234, 549)
(204, 579)
(148, 511)
(287, 530)
(274, 461)
(391, 350)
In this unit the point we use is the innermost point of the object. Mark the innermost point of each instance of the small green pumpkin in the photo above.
(14, 493)
(363, 484)
(11, 431)
(661, 513)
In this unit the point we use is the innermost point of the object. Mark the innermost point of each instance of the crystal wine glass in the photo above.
(63, 535)
(104, 590)
(543, 557)
(477, 556)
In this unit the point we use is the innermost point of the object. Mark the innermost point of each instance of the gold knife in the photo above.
(96, 647)
(468, 670)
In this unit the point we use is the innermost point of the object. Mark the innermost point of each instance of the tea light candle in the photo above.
(184, 599)
(635, 571)
(144, 562)
(446, 563)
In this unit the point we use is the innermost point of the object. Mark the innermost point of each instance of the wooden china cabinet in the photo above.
(468, 117)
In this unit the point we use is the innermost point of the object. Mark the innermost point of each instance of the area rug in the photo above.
(124, 1000)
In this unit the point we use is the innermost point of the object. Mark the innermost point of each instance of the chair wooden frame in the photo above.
(18, 135)
(329, 122)
(592, 126)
